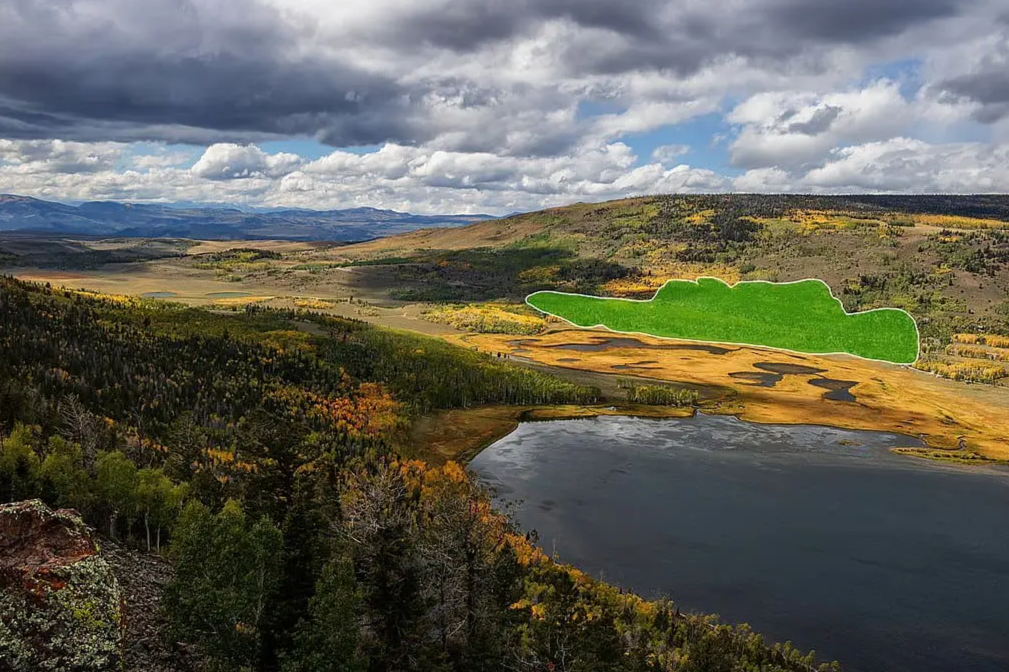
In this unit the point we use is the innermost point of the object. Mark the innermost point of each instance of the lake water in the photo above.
(811, 534)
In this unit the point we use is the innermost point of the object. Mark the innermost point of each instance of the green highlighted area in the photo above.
(801, 316)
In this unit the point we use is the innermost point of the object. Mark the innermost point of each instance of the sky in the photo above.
(494, 106)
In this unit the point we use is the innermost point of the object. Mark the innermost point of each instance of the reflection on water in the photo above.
(840, 390)
(228, 295)
(647, 364)
(813, 534)
(600, 343)
(773, 373)
(757, 378)
(785, 369)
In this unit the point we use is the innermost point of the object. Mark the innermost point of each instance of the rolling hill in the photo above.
(943, 259)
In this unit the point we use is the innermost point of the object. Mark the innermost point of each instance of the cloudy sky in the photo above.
(498, 105)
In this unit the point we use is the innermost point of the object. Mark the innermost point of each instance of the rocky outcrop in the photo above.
(61, 607)
(143, 578)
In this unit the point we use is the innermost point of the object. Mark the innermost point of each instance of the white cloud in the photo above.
(647, 116)
(790, 130)
(903, 164)
(895, 165)
(58, 156)
(416, 179)
(668, 154)
(228, 161)
(423, 179)
(159, 160)
(768, 180)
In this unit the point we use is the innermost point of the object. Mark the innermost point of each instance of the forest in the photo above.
(263, 452)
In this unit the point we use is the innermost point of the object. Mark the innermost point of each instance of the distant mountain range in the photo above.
(110, 218)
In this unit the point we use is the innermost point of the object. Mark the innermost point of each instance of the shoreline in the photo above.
(459, 435)
(495, 422)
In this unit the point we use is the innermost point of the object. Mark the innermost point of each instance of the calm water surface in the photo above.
(228, 295)
(810, 534)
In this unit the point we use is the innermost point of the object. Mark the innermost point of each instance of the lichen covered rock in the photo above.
(60, 604)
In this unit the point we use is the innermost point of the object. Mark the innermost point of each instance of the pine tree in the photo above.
(327, 641)
(227, 571)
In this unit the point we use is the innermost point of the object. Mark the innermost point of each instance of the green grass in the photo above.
(801, 316)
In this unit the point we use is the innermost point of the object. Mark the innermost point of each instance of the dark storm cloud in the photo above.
(855, 21)
(990, 89)
(230, 81)
(225, 93)
(675, 36)
(646, 37)
(467, 25)
(987, 83)
(191, 71)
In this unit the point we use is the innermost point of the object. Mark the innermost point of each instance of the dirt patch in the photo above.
(282, 246)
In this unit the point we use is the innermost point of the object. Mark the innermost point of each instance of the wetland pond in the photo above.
(228, 295)
(816, 535)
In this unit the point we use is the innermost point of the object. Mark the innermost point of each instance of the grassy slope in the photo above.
(945, 260)
(800, 316)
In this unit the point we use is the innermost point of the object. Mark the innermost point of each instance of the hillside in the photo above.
(944, 259)
(105, 218)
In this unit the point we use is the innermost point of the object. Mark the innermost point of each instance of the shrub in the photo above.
(974, 352)
(488, 319)
(975, 372)
(658, 395)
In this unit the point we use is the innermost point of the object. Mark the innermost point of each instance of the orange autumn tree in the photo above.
(371, 412)
(368, 411)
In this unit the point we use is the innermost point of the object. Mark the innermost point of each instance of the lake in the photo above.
(816, 535)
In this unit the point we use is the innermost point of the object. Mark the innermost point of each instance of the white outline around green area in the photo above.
(917, 332)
